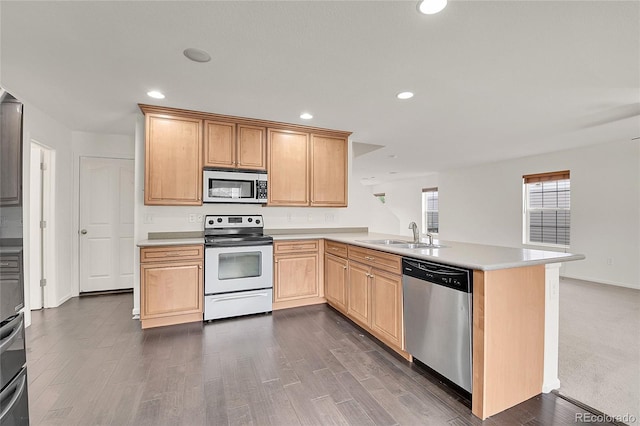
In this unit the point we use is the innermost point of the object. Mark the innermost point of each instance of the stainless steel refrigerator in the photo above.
(14, 407)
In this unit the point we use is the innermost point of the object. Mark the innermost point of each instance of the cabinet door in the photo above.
(296, 276)
(170, 288)
(386, 307)
(358, 307)
(335, 278)
(173, 161)
(251, 148)
(328, 171)
(219, 144)
(11, 156)
(288, 168)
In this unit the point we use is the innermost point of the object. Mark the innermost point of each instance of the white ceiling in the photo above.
(492, 80)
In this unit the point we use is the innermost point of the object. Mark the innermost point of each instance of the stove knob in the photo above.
(251, 220)
(219, 220)
(258, 221)
(210, 221)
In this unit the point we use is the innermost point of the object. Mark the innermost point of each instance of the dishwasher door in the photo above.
(437, 322)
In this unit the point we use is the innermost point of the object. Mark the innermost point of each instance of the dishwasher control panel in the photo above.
(449, 276)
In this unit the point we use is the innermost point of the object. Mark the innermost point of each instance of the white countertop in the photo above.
(467, 255)
(170, 242)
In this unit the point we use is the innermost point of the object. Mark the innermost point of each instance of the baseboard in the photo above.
(605, 282)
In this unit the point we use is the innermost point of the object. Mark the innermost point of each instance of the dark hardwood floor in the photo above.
(90, 364)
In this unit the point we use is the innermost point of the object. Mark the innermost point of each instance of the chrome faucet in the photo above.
(430, 236)
(416, 233)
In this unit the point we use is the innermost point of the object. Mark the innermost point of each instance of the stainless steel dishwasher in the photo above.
(437, 317)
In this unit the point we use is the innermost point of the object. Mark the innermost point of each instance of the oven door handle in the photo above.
(16, 327)
(17, 388)
(241, 296)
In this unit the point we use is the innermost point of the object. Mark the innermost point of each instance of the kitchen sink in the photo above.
(384, 242)
(401, 244)
(418, 246)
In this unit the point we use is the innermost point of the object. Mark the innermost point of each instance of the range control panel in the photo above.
(227, 221)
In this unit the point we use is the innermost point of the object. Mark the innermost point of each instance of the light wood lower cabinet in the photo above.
(386, 307)
(297, 273)
(336, 277)
(366, 285)
(171, 285)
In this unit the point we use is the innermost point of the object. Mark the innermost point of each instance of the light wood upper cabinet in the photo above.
(329, 186)
(288, 168)
(234, 146)
(173, 160)
(252, 147)
(219, 144)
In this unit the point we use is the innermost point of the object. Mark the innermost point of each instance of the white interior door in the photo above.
(106, 224)
(35, 236)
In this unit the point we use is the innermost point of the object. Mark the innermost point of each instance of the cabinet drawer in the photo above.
(10, 264)
(335, 248)
(386, 261)
(164, 253)
(295, 246)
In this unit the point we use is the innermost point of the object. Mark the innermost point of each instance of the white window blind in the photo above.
(430, 210)
(547, 208)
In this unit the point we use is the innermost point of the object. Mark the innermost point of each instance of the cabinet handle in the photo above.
(344, 267)
(199, 266)
(275, 261)
(370, 258)
(4, 264)
(334, 248)
(175, 253)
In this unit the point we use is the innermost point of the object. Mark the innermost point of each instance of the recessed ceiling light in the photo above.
(405, 95)
(393, 156)
(197, 55)
(306, 116)
(393, 173)
(155, 94)
(430, 7)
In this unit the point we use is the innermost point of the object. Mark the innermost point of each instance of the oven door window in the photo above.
(221, 188)
(233, 266)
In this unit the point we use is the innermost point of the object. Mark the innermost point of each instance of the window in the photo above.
(547, 214)
(430, 210)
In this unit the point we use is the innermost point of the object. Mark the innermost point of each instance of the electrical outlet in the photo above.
(309, 217)
(199, 218)
(609, 261)
(192, 218)
(288, 217)
(148, 218)
(329, 217)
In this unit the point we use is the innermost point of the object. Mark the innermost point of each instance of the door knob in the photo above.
(84, 231)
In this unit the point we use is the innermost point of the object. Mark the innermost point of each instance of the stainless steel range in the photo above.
(238, 267)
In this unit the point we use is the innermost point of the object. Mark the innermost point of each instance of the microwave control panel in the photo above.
(261, 189)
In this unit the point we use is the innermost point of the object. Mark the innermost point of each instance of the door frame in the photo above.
(48, 195)
(76, 213)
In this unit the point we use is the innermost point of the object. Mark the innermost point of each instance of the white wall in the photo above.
(403, 198)
(362, 208)
(40, 128)
(85, 144)
(483, 204)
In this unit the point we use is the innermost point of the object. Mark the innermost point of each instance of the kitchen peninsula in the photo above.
(515, 305)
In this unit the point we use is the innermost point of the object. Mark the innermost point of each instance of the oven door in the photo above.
(229, 269)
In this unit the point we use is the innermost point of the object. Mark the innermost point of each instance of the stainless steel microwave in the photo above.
(227, 186)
